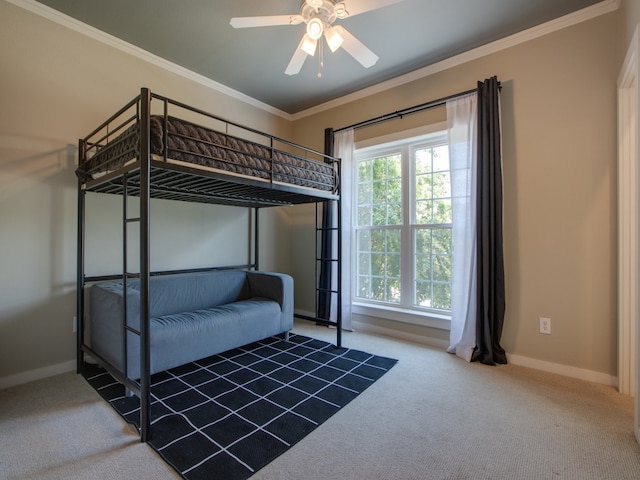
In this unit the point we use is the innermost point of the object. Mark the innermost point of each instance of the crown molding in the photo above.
(588, 13)
(126, 47)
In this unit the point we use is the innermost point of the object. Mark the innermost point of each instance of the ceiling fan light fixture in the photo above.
(340, 10)
(295, 19)
(315, 28)
(309, 45)
(333, 37)
(316, 4)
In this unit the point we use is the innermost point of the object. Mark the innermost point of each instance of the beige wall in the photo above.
(55, 86)
(559, 154)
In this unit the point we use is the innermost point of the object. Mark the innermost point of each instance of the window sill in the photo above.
(425, 319)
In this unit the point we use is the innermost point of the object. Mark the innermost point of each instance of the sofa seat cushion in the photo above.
(203, 320)
(185, 337)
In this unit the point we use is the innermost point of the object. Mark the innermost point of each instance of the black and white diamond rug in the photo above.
(227, 416)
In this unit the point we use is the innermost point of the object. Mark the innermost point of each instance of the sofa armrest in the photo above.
(276, 286)
(106, 319)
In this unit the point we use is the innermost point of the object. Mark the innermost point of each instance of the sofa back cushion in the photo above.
(187, 292)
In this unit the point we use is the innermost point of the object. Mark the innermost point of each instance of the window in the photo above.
(402, 225)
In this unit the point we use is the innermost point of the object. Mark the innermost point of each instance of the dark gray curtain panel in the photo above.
(490, 279)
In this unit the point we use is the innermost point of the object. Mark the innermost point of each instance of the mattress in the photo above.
(209, 149)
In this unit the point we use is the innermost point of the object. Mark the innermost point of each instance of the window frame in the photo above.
(404, 312)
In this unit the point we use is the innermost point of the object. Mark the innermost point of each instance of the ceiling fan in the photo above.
(319, 16)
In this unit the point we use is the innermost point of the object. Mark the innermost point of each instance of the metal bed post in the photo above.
(145, 173)
(80, 270)
(256, 239)
(339, 262)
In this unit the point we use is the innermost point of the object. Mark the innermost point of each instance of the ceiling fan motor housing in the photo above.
(320, 14)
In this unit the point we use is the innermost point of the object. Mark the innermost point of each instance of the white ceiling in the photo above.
(407, 36)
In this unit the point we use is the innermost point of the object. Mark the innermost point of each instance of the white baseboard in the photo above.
(566, 370)
(388, 332)
(37, 374)
(306, 313)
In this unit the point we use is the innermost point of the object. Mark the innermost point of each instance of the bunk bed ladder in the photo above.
(329, 254)
(126, 275)
(328, 271)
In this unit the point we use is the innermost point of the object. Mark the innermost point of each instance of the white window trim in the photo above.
(411, 316)
(414, 317)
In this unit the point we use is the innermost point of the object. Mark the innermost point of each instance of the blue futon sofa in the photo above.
(192, 316)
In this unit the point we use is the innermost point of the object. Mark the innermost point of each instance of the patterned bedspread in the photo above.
(209, 149)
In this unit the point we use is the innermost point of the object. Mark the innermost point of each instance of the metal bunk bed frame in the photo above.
(146, 178)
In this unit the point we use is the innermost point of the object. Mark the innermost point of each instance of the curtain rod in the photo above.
(404, 112)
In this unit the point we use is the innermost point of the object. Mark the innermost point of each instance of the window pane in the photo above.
(441, 185)
(379, 192)
(442, 296)
(379, 265)
(423, 294)
(424, 212)
(394, 191)
(423, 267)
(365, 193)
(392, 293)
(393, 265)
(423, 161)
(441, 238)
(364, 171)
(377, 240)
(440, 158)
(441, 268)
(432, 268)
(442, 211)
(394, 214)
(379, 168)
(380, 189)
(432, 186)
(364, 215)
(379, 216)
(394, 166)
(377, 289)
(423, 240)
(424, 187)
(363, 286)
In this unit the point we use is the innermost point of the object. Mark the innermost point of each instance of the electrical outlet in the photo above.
(545, 325)
(74, 327)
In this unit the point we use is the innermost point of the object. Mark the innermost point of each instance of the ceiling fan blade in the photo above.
(356, 7)
(297, 60)
(265, 21)
(356, 48)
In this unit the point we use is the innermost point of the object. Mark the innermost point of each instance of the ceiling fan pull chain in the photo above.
(320, 59)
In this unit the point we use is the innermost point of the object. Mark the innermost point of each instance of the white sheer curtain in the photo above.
(343, 147)
(462, 128)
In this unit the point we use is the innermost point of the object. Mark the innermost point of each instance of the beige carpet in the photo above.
(432, 416)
